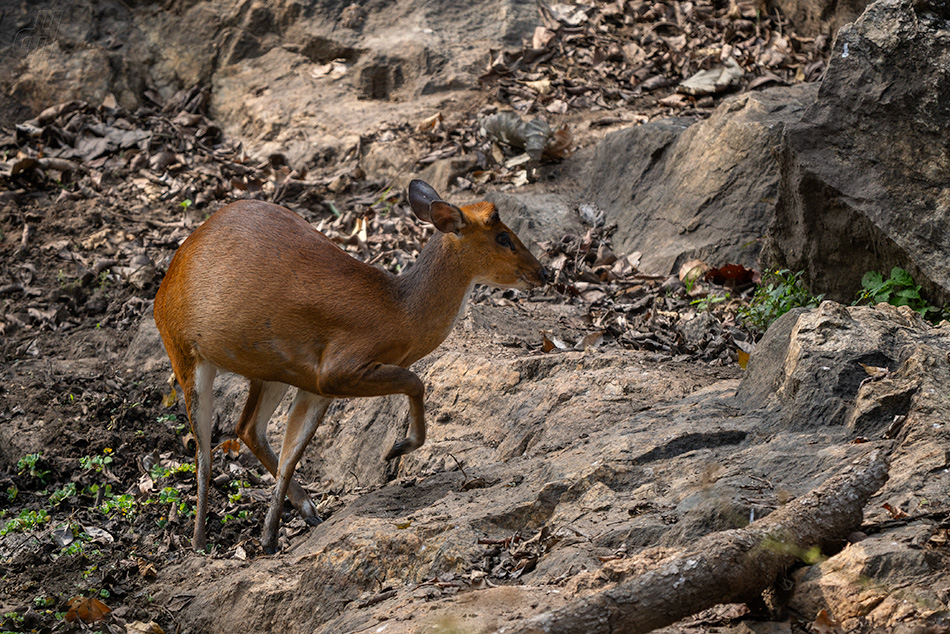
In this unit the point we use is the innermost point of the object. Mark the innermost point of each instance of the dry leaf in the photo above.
(137, 627)
(541, 86)
(99, 535)
(430, 123)
(591, 340)
(549, 342)
(86, 610)
(146, 569)
(172, 397)
(743, 359)
(535, 137)
(542, 37)
(732, 275)
(676, 100)
(896, 513)
(824, 624)
(709, 82)
(874, 371)
(559, 144)
(693, 270)
(145, 484)
(230, 446)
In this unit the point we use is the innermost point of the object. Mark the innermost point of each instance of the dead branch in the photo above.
(725, 567)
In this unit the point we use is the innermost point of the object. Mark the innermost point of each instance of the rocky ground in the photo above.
(99, 478)
(578, 434)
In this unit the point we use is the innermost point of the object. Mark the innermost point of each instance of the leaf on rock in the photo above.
(549, 342)
(591, 340)
(896, 513)
(743, 359)
(824, 624)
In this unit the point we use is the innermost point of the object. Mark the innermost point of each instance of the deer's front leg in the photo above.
(381, 379)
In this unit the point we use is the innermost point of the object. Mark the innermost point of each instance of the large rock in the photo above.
(874, 584)
(679, 191)
(537, 215)
(813, 365)
(302, 78)
(881, 372)
(865, 173)
(54, 52)
(308, 82)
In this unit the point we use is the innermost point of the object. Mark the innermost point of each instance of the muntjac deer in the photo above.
(257, 291)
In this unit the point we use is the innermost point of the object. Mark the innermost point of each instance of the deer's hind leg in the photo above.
(262, 400)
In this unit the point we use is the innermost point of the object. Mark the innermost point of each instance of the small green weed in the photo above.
(25, 521)
(898, 290)
(123, 504)
(43, 601)
(60, 495)
(81, 547)
(780, 292)
(169, 495)
(30, 464)
(82, 543)
(160, 471)
(385, 202)
(13, 619)
(705, 304)
(96, 463)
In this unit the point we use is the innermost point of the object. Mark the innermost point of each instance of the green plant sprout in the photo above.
(25, 521)
(30, 464)
(96, 463)
(898, 290)
(705, 304)
(780, 292)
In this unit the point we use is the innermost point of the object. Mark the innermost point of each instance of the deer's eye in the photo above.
(504, 240)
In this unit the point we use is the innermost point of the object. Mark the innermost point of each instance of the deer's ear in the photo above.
(421, 197)
(429, 207)
(446, 218)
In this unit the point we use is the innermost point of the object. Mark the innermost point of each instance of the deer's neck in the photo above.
(436, 288)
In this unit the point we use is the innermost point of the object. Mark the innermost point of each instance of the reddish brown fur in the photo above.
(257, 291)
